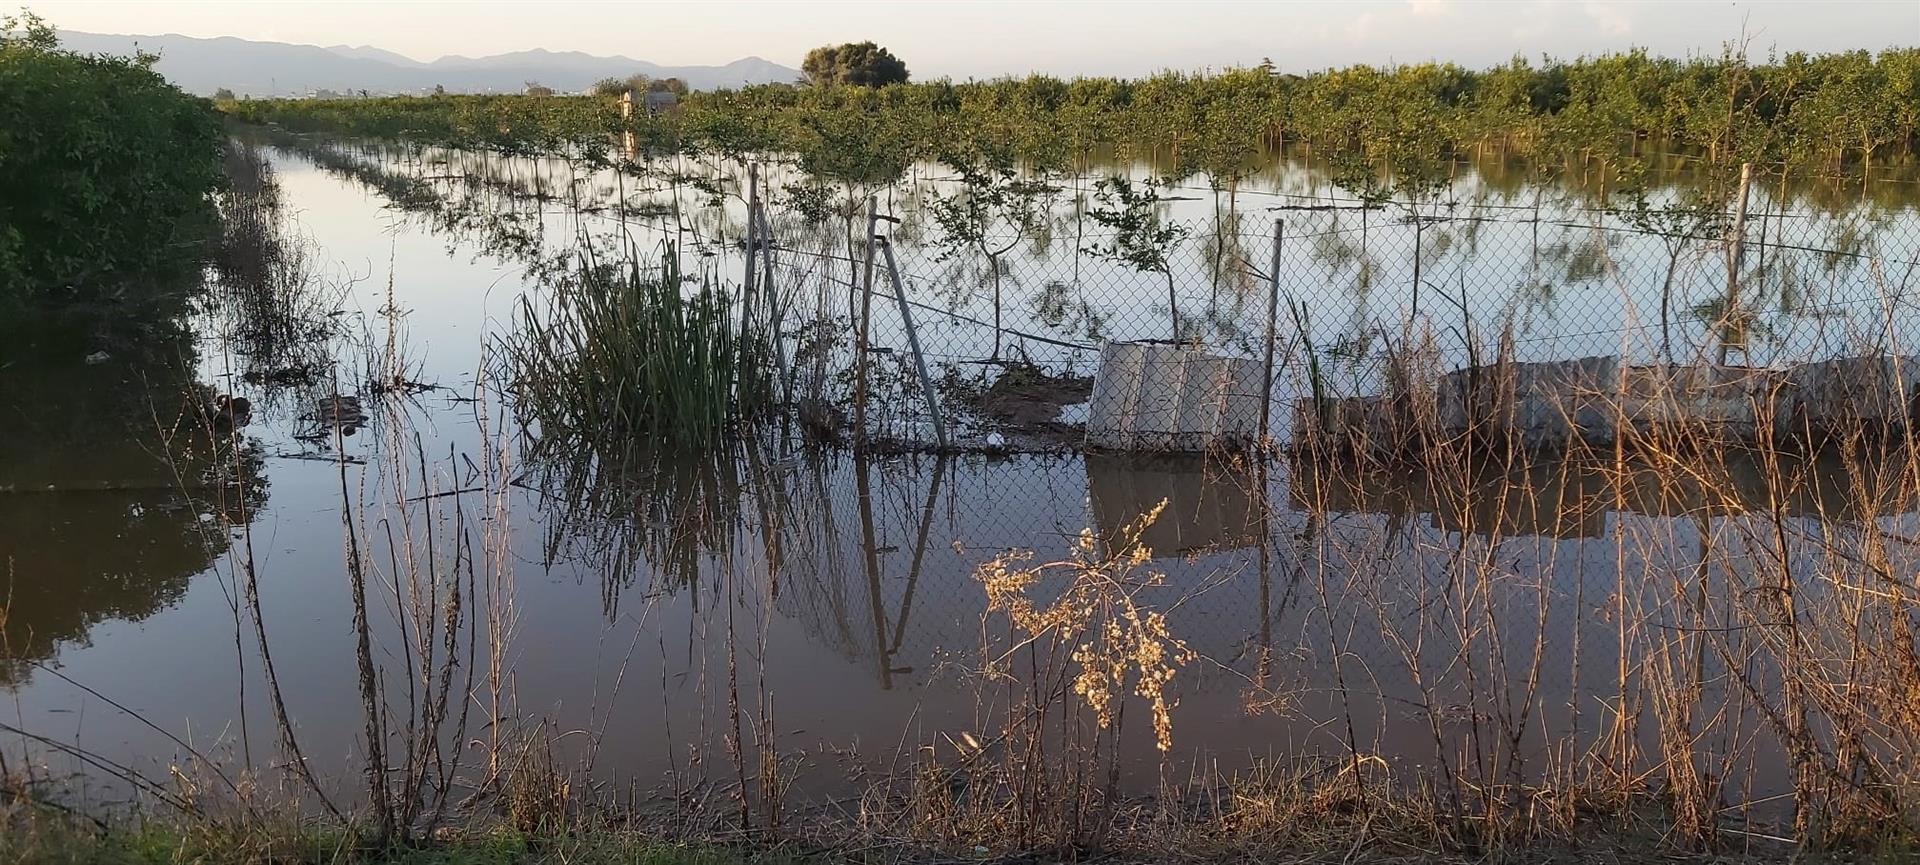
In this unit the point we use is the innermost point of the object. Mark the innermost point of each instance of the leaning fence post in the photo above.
(913, 342)
(1273, 323)
(860, 348)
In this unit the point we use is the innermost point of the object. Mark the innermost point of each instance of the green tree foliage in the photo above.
(106, 171)
(1142, 238)
(993, 210)
(862, 64)
(638, 83)
(1393, 125)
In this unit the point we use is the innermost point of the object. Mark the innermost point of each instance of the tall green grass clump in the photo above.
(628, 356)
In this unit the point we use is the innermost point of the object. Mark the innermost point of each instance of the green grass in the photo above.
(56, 840)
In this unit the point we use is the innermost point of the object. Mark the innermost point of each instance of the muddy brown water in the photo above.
(861, 612)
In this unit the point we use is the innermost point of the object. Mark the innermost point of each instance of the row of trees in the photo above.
(1854, 109)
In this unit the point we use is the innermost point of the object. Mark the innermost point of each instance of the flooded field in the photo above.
(197, 584)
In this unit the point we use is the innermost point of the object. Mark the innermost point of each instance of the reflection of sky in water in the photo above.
(853, 657)
(1569, 276)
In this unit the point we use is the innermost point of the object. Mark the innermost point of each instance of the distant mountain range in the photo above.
(280, 69)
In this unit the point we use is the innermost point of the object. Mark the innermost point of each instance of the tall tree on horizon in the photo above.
(862, 64)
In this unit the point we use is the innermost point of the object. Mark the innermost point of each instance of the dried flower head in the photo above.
(1119, 644)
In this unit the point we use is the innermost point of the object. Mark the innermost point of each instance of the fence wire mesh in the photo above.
(1342, 288)
(1459, 595)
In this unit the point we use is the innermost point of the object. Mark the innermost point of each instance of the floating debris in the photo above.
(1152, 396)
(333, 413)
(231, 413)
(296, 375)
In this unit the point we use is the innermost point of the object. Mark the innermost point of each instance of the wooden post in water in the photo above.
(1273, 324)
(860, 348)
(870, 551)
(1736, 252)
(626, 128)
(913, 341)
(940, 464)
(1419, 233)
(753, 206)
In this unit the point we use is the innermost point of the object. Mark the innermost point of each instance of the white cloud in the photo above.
(1611, 18)
(1360, 28)
(1431, 8)
(1533, 20)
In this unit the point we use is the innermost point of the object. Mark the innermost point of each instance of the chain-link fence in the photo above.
(1324, 291)
(1011, 328)
(1385, 606)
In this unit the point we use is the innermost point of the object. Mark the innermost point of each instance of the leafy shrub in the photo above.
(106, 171)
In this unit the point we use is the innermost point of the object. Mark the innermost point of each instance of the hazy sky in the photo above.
(990, 38)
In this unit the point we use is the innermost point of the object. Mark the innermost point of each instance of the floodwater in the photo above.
(1325, 610)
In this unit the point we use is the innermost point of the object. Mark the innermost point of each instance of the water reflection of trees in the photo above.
(1571, 262)
(115, 487)
(278, 321)
(483, 212)
(123, 469)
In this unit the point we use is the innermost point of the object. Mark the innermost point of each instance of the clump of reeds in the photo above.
(625, 352)
(537, 797)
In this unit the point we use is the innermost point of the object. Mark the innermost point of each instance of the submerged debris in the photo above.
(1022, 411)
(1558, 405)
(295, 375)
(1154, 396)
(1029, 397)
(231, 413)
(337, 412)
(821, 420)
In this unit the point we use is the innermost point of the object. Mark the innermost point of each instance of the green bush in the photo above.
(106, 172)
